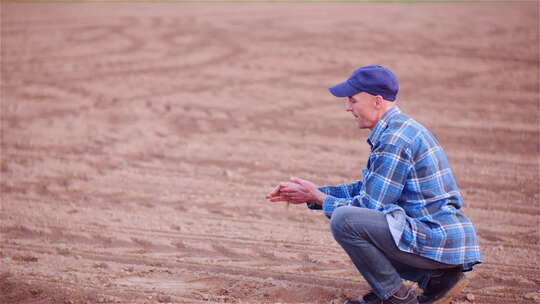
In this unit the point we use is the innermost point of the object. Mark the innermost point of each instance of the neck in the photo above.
(385, 108)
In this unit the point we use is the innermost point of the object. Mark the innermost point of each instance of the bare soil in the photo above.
(139, 140)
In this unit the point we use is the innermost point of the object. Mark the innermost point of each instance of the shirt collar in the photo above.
(381, 125)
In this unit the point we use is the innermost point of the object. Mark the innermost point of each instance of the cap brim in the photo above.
(343, 89)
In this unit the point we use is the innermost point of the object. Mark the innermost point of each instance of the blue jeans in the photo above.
(365, 236)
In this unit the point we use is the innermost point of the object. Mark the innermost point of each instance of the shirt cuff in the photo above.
(329, 204)
(313, 206)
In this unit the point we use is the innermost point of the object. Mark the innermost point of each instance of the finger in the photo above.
(297, 189)
(296, 200)
(275, 191)
(299, 199)
(296, 180)
(278, 199)
(289, 191)
(286, 197)
(271, 195)
(292, 187)
(302, 182)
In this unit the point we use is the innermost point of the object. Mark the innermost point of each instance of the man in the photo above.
(403, 219)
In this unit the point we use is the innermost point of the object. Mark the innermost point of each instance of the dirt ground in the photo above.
(139, 140)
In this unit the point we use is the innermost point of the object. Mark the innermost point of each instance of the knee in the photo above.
(355, 222)
(338, 222)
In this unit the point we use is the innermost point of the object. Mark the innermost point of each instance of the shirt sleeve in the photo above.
(339, 191)
(383, 183)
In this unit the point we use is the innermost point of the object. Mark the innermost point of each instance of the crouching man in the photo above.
(402, 220)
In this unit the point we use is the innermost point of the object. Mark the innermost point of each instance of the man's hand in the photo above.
(279, 194)
(297, 191)
(275, 195)
(309, 192)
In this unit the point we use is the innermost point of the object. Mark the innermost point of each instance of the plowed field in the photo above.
(139, 140)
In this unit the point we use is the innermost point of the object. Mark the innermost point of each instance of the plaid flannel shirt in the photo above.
(408, 178)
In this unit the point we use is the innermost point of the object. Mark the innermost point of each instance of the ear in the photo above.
(379, 101)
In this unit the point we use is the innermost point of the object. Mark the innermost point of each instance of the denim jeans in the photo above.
(365, 236)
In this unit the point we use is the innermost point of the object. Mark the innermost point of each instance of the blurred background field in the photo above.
(138, 141)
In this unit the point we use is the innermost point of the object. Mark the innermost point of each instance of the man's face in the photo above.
(364, 109)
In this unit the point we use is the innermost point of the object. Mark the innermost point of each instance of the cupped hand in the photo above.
(311, 192)
(297, 191)
(281, 193)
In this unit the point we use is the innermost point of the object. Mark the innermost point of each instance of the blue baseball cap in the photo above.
(372, 79)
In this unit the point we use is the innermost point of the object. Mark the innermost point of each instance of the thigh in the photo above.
(415, 260)
(371, 225)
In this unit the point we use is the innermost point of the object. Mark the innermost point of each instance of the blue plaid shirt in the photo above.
(408, 179)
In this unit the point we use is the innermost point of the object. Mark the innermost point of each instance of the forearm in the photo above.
(362, 200)
(343, 190)
(330, 193)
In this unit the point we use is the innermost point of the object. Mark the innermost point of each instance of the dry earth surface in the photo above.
(139, 140)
